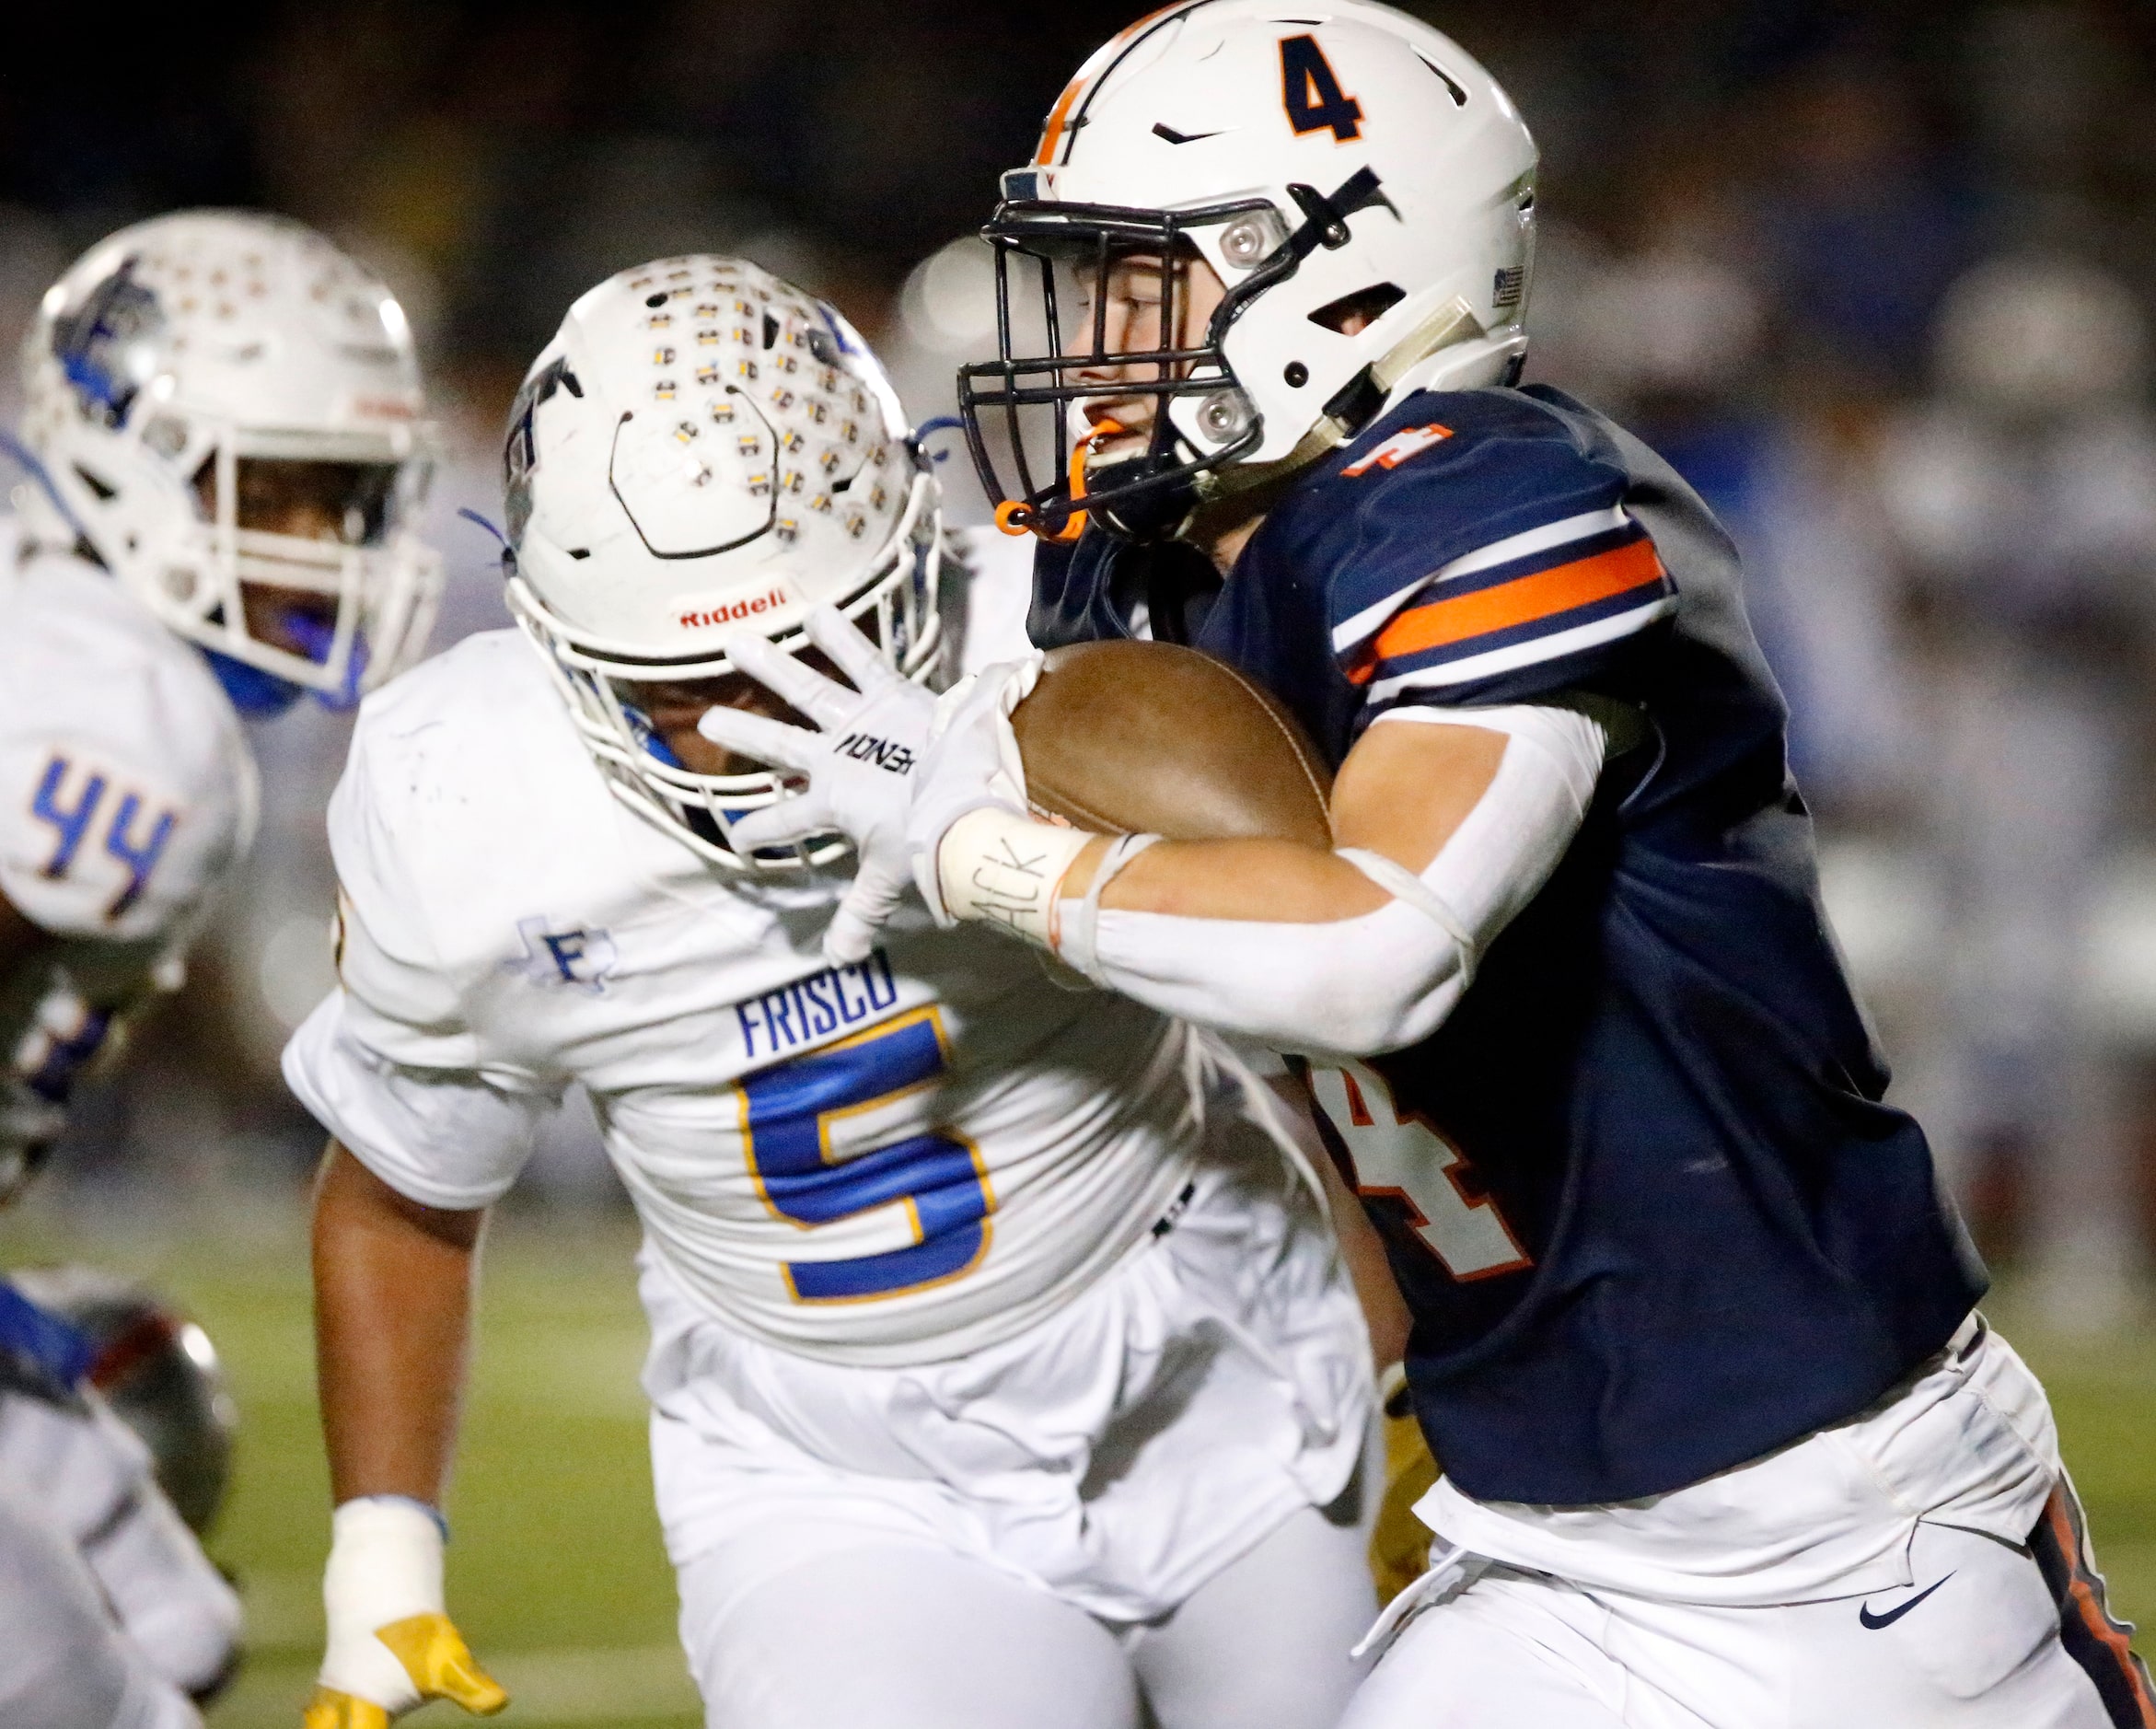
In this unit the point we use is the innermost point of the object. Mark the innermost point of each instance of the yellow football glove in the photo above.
(1399, 1546)
(391, 1647)
(441, 1666)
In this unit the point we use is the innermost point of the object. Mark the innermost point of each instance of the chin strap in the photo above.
(256, 691)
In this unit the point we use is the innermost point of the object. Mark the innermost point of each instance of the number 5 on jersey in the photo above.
(1403, 1159)
(789, 1113)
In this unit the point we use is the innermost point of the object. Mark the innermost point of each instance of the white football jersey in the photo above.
(127, 790)
(898, 1161)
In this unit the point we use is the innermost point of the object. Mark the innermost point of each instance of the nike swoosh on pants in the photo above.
(1876, 1621)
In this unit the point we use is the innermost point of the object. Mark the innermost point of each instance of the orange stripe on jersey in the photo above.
(1522, 602)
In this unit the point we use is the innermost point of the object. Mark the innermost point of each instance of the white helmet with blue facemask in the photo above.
(225, 411)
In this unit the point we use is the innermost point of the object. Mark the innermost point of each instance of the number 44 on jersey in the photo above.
(1405, 1159)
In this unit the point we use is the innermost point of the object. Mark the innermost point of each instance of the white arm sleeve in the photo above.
(1389, 977)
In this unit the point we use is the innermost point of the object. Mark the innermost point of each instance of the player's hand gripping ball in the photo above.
(1122, 738)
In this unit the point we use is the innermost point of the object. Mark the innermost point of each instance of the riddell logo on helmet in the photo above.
(702, 614)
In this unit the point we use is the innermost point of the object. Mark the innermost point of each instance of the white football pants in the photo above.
(1989, 1636)
(908, 1636)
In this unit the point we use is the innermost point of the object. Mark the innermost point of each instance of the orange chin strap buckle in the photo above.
(1014, 518)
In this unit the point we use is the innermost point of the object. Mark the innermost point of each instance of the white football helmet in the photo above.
(185, 366)
(1324, 161)
(703, 447)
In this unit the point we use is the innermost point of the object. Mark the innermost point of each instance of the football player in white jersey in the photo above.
(994, 1332)
(222, 438)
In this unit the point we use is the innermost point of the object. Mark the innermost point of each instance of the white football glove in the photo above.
(859, 763)
(892, 768)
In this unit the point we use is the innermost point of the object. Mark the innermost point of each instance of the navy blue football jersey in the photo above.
(1639, 1190)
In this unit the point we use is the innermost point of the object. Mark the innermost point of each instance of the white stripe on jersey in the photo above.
(1528, 541)
(1527, 653)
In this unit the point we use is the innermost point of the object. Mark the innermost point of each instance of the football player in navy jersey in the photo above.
(1695, 1335)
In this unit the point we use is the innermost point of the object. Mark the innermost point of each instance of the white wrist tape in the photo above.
(998, 867)
(385, 1565)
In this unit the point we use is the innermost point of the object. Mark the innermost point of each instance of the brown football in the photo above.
(1153, 738)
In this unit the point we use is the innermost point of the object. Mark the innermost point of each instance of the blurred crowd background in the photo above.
(1877, 277)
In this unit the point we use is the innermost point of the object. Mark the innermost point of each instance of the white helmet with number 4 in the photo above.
(1363, 188)
(703, 447)
(226, 409)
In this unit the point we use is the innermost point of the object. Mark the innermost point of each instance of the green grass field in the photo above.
(556, 1574)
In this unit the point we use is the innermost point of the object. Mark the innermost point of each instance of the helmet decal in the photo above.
(108, 347)
(519, 451)
(705, 448)
(1067, 116)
